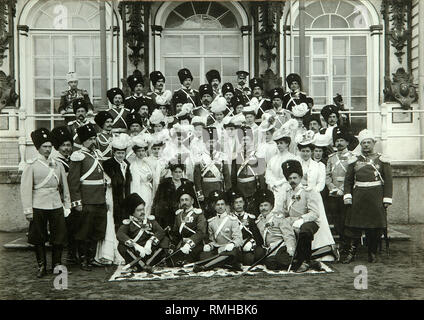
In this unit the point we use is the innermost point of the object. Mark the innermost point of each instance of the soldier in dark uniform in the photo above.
(211, 173)
(137, 99)
(43, 186)
(160, 96)
(248, 172)
(104, 138)
(140, 234)
(206, 98)
(237, 104)
(312, 122)
(68, 96)
(135, 124)
(257, 87)
(242, 89)
(87, 187)
(186, 80)
(228, 92)
(178, 99)
(224, 238)
(118, 111)
(250, 232)
(295, 96)
(276, 96)
(214, 79)
(80, 110)
(189, 229)
(368, 188)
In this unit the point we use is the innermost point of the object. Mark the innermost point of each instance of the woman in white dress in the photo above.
(142, 172)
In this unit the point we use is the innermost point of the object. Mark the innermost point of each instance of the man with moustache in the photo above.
(295, 96)
(242, 89)
(186, 80)
(137, 99)
(87, 187)
(264, 104)
(43, 186)
(104, 138)
(206, 98)
(214, 79)
(160, 96)
(80, 108)
(118, 112)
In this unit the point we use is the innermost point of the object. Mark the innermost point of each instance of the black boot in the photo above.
(351, 251)
(56, 256)
(373, 241)
(40, 253)
(84, 259)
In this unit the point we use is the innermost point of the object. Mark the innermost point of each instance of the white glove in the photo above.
(207, 248)
(140, 250)
(298, 223)
(229, 246)
(66, 212)
(148, 247)
(186, 248)
(290, 251)
(249, 246)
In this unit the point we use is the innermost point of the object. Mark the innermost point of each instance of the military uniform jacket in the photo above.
(189, 224)
(104, 144)
(337, 164)
(273, 228)
(264, 105)
(64, 161)
(134, 103)
(248, 227)
(193, 96)
(245, 94)
(248, 173)
(119, 115)
(140, 231)
(369, 184)
(72, 127)
(86, 178)
(42, 183)
(203, 111)
(224, 229)
(291, 99)
(160, 98)
(68, 96)
(302, 203)
(211, 175)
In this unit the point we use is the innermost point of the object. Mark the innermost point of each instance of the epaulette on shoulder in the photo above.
(151, 217)
(31, 161)
(126, 221)
(70, 123)
(77, 156)
(197, 211)
(211, 219)
(149, 93)
(251, 216)
(384, 158)
(179, 211)
(353, 159)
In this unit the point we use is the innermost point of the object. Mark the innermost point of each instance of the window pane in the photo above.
(42, 67)
(172, 65)
(41, 46)
(42, 106)
(359, 86)
(185, 10)
(320, 101)
(357, 20)
(320, 46)
(60, 85)
(217, 9)
(339, 66)
(228, 21)
(82, 46)
(213, 63)
(358, 45)
(60, 67)
(338, 22)
(308, 21)
(42, 124)
(345, 9)
(340, 46)
(84, 84)
(173, 21)
(212, 44)
(42, 88)
(79, 23)
(230, 66)
(359, 104)
(322, 22)
(319, 88)
(358, 66)
(82, 67)
(193, 64)
(231, 45)
(330, 6)
(97, 86)
(340, 87)
(60, 46)
(314, 9)
(191, 44)
(56, 103)
(96, 67)
(358, 124)
(171, 45)
(96, 46)
(319, 66)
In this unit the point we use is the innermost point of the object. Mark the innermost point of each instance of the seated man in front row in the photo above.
(140, 235)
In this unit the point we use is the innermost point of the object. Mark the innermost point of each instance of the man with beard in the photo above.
(160, 96)
(242, 89)
(189, 228)
(87, 187)
(251, 236)
(137, 99)
(42, 183)
(80, 108)
(186, 80)
(214, 79)
(295, 96)
(118, 111)
(206, 98)
(104, 138)
(263, 104)
(135, 124)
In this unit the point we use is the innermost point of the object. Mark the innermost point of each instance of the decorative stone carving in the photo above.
(402, 89)
(4, 34)
(8, 95)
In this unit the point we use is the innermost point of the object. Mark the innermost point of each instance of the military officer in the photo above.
(68, 96)
(368, 189)
(249, 113)
(250, 233)
(335, 175)
(87, 187)
(301, 208)
(80, 110)
(104, 138)
(331, 115)
(179, 98)
(186, 80)
(263, 104)
(211, 173)
(276, 97)
(248, 172)
(206, 98)
(137, 99)
(118, 111)
(140, 234)
(312, 122)
(228, 93)
(273, 229)
(160, 96)
(135, 124)
(242, 89)
(42, 184)
(214, 79)
(225, 238)
(237, 105)
(189, 229)
(295, 96)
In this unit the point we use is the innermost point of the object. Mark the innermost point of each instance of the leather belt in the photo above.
(368, 184)
(211, 180)
(93, 182)
(245, 180)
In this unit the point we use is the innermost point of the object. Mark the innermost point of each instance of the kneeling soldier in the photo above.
(140, 235)
(189, 228)
(249, 230)
(43, 180)
(225, 238)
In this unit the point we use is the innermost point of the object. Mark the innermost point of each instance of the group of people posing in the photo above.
(221, 176)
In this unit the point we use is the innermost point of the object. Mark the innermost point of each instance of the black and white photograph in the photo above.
(211, 151)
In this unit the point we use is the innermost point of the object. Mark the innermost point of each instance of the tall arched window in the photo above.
(201, 36)
(337, 54)
(63, 36)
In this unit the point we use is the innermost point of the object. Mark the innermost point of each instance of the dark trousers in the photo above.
(234, 256)
(37, 233)
(124, 251)
(73, 224)
(304, 243)
(93, 223)
(336, 214)
(181, 258)
(373, 236)
(279, 261)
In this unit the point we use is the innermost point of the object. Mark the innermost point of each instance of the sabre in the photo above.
(167, 257)
(201, 261)
(294, 254)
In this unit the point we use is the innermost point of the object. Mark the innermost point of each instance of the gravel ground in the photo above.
(399, 276)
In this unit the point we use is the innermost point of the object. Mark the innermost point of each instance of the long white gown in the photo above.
(141, 170)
